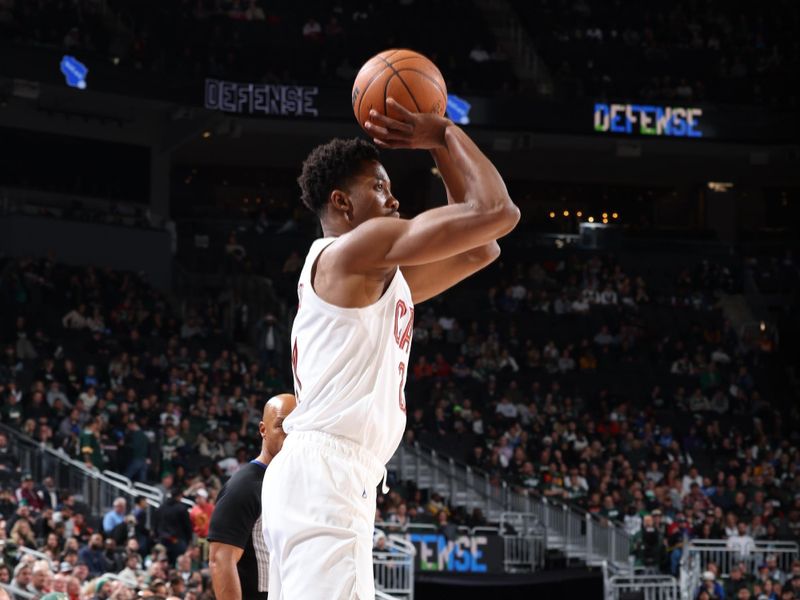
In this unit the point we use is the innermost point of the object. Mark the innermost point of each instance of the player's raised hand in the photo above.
(411, 130)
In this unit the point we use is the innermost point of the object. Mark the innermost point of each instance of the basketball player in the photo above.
(238, 560)
(352, 336)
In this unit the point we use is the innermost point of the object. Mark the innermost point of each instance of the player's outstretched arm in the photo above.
(427, 281)
(486, 214)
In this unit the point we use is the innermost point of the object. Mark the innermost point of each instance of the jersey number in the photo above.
(401, 369)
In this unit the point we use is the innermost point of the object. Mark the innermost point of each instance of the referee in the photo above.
(239, 559)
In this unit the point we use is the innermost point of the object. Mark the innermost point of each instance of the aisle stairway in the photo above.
(577, 535)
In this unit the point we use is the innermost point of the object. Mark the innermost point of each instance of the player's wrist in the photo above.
(445, 124)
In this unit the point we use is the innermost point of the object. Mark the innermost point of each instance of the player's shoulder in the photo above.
(363, 248)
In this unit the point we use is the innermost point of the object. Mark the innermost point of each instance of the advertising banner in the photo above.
(464, 554)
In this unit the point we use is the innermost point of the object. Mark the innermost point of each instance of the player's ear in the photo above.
(262, 429)
(340, 203)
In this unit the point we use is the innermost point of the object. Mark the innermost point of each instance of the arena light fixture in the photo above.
(605, 215)
(552, 215)
(605, 221)
(614, 215)
(579, 214)
(566, 213)
(591, 219)
(206, 134)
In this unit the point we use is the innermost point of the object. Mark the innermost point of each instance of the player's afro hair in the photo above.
(329, 166)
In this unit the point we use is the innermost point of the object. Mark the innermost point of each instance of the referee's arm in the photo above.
(224, 575)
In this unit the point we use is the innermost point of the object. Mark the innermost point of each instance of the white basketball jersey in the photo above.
(350, 364)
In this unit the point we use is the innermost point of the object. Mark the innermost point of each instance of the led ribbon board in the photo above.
(74, 72)
(458, 109)
(647, 119)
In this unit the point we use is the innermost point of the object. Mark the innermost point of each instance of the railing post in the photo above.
(588, 536)
(469, 491)
(613, 533)
(435, 471)
(452, 482)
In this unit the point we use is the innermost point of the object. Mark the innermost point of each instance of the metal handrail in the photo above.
(698, 553)
(577, 532)
(471, 531)
(37, 555)
(97, 489)
(16, 592)
(394, 567)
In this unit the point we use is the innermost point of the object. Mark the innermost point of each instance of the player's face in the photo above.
(371, 194)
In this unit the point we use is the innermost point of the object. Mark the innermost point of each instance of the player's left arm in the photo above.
(429, 280)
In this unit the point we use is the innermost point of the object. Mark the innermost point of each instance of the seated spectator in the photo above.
(741, 542)
(115, 516)
(93, 556)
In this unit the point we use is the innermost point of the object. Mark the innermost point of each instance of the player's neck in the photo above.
(334, 227)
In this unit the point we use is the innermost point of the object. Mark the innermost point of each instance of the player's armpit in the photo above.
(427, 281)
(435, 235)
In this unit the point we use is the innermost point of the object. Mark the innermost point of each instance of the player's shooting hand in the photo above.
(411, 130)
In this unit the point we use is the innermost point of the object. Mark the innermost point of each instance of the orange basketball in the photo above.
(407, 76)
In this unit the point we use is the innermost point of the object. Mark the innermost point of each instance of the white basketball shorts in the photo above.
(318, 512)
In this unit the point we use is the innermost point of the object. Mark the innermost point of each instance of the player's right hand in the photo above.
(421, 131)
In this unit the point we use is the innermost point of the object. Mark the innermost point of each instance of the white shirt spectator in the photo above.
(54, 393)
(505, 408)
(89, 399)
(229, 466)
(479, 55)
(654, 476)
(518, 291)
(681, 366)
(607, 296)
(580, 305)
(446, 323)
(566, 363)
(550, 352)
(589, 295)
(506, 360)
(633, 523)
(688, 480)
(74, 320)
(699, 403)
(744, 544)
(580, 443)
(312, 29)
(720, 356)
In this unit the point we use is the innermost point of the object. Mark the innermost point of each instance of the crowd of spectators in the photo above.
(102, 366)
(583, 384)
(272, 42)
(616, 388)
(683, 52)
(52, 543)
(734, 52)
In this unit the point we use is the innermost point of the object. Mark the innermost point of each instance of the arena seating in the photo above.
(684, 52)
(610, 382)
(323, 44)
